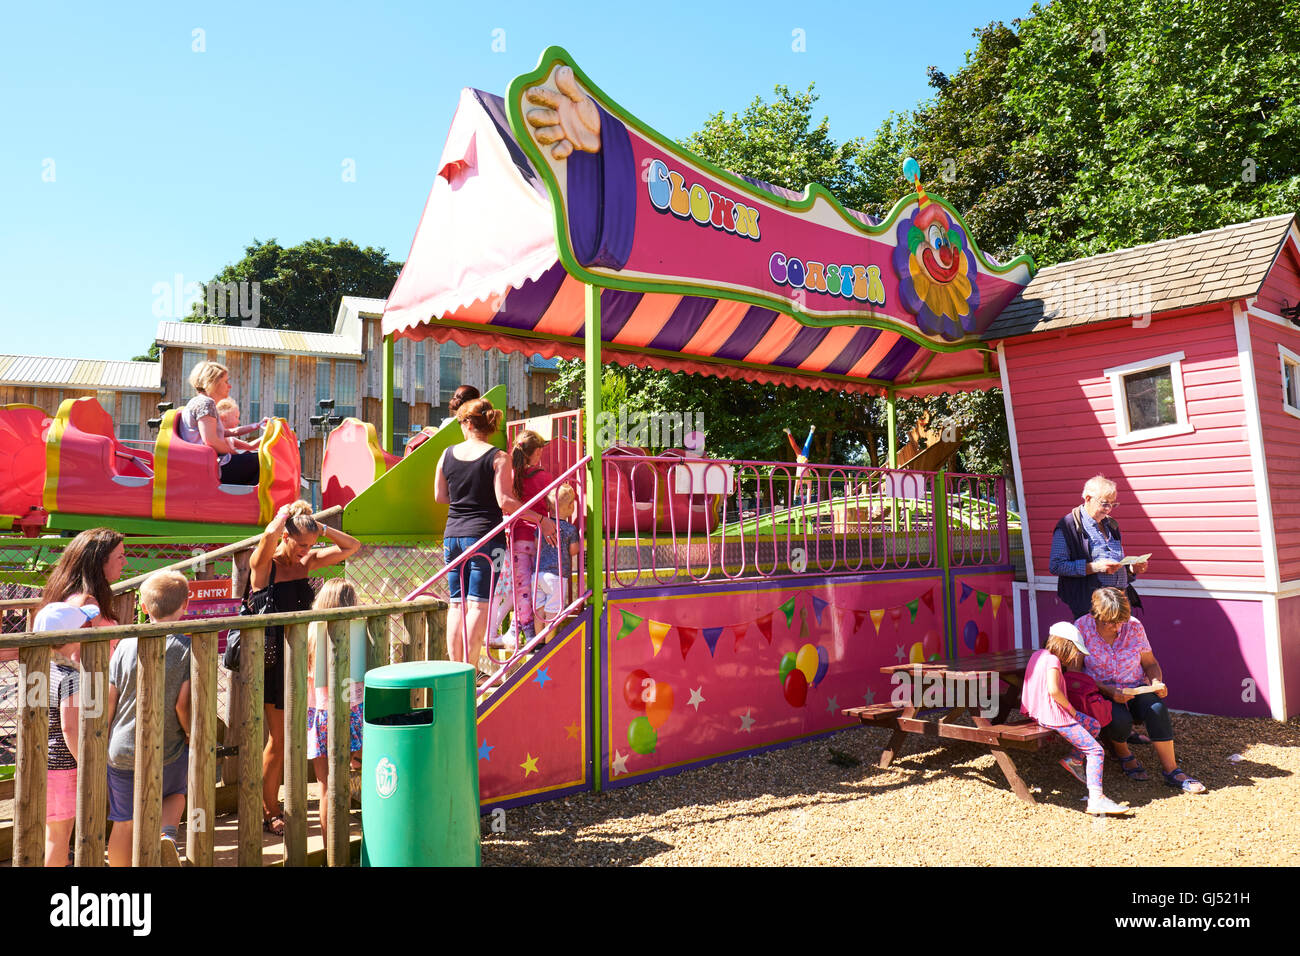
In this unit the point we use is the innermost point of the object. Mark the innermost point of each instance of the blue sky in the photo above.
(127, 158)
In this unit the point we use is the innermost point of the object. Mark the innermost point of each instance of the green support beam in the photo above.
(891, 413)
(387, 437)
(595, 512)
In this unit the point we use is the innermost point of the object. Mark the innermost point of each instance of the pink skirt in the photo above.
(60, 794)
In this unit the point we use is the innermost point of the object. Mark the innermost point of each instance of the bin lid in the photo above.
(419, 674)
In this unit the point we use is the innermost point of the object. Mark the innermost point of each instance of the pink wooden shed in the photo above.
(1173, 369)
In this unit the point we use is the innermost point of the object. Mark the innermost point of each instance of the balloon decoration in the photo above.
(916, 654)
(633, 687)
(801, 670)
(657, 710)
(982, 642)
(969, 633)
(641, 736)
(932, 645)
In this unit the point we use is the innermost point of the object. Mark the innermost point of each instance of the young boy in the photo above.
(228, 409)
(164, 597)
(554, 564)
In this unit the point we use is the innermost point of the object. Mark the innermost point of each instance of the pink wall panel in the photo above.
(1187, 499)
(1283, 282)
(1281, 433)
(1289, 628)
(1207, 649)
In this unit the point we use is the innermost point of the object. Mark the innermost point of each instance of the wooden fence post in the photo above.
(377, 649)
(338, 792)
(150, 682)
(33, 760)
(417, 635)
(436, 628)
(295, 745)
(200, 828)
(248, 728)
(92, 755)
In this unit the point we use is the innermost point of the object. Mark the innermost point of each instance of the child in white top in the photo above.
(336, 593)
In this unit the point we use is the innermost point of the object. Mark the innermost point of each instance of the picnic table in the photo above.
(963, 682)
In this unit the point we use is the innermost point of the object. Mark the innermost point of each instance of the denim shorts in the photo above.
(121, 786)
(480, 567)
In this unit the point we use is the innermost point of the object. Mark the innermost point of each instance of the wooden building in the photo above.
(129, 391)
(1174, 370)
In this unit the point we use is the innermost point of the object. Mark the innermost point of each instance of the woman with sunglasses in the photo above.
(1087, 551)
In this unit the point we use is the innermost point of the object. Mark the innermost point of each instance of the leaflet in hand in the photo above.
(1139, 559)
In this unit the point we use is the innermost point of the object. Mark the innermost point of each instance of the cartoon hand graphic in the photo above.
(570, 119)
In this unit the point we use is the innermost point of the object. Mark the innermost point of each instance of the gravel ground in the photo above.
(938, 804)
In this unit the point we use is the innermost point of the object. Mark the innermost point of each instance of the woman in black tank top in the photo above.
(474, 479)
(279, 570)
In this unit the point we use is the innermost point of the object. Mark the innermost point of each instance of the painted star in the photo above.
(543, 676)
(747, 722)
(869, 696)
(696, 698)
(484, 751)
(900, 654)
(620, 763)
(529, 764)
(831, 706)
(571, 732)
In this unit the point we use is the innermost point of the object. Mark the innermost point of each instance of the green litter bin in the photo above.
(419, 775)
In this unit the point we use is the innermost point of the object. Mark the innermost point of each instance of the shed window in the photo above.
(128, 424)
(254, 388)
(189, 359)
(1149, 399)
(282, 388)
(449, 371)
(1290, 381)
(345, 390)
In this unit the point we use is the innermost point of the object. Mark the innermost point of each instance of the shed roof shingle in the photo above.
(1215, 266)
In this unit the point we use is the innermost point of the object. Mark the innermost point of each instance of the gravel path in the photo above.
(938, 804)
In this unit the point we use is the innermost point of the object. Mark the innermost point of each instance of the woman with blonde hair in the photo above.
(477, 482)
(200, 423)
(278, 581)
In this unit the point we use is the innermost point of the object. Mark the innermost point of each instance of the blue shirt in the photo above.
(1102, 547)
(548, 559)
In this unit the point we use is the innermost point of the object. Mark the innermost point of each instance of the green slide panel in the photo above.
(401, 501)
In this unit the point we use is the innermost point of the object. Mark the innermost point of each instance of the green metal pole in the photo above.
(595, 515)
(944, 563)
(891, 412)
(388, 394)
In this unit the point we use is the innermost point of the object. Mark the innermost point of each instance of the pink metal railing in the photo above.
(977, 520)
(765, 519)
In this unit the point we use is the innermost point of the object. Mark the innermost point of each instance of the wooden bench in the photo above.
(997, 737)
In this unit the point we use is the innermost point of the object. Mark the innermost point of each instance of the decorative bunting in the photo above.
(997, 602)
(686, 636)
(859, 617)
(630, 623)
(966, 590)
(739, 630)
(928, 599)
(711, 635)
(765, 627)
(658, 631)
(818, 606)
(895, 614)
(980, 598)
(788, 609)
(876, 618)
(913, 606)
(803, 630)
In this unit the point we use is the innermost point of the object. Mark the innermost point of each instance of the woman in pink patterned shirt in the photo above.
(1120, 660)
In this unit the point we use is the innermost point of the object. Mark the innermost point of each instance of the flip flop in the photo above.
(1187, 784)
(1137, 737)
(269, 825)
(1134, 772)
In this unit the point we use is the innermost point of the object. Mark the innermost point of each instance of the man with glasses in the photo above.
(1087, 551)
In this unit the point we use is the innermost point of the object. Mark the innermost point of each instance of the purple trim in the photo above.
(749, 332)
(495, 107)
(893, 364)
(853, 352)
(616, 307)
(486, 808)
(805, 342)
(683, 323)
(525, 306)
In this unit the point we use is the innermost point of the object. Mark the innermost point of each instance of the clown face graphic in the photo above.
(935, 269)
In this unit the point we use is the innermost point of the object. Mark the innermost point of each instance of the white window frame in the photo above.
(1124, 435)
(1287, 357)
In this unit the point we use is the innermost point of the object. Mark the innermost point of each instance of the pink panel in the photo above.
(534, 734)
(985, 617)
(1281, 433)
(1289, 628)
(695, 677)
(1206, 648)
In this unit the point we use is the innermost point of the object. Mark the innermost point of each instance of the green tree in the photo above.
(301, 286)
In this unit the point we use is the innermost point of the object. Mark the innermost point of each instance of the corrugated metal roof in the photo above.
(368, 306)
(43, 372)
(245, 339)
(1215, 266)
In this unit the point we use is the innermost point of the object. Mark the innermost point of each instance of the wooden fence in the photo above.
(399, 631)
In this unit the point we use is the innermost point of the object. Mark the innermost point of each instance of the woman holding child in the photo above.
(80, 585)
(200, 422)
(278, 581)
